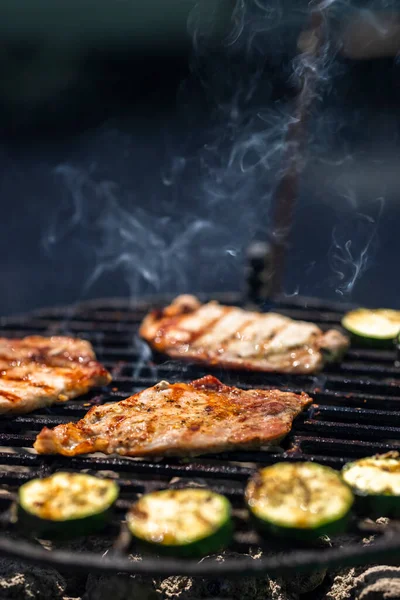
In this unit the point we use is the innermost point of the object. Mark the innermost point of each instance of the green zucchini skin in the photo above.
(355, 320)
(62, 530)
(210, 545)
(376, 505)
(371, 343)
(289, 483)
(51, 523)
(267, 529)
(369, 503)
(211, 540)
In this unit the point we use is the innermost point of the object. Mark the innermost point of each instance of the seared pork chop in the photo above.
(179, 419)
(228, 336)
(37, 371)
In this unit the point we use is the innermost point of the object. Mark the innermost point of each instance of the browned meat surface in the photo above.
(229, 336)
(181, 419)
(38, 371)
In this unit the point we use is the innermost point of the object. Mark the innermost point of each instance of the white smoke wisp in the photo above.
(167, 246)
(153, 252)
(351, 257)
(217, 197)
(144, 359)
(245, 138)
(242, 161)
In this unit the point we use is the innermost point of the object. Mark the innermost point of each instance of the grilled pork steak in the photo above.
(182, 419)
(38, 371)
(229, 336)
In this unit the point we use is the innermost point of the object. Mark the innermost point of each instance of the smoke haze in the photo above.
(166, 195)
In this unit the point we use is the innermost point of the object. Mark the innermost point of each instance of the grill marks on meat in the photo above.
(37, 371)
(229, 336)
(179, 419)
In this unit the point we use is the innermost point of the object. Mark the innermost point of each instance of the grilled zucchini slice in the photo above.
(375, 482)
(299, 500)
(190, 522)
(65, 505)
(373, 327)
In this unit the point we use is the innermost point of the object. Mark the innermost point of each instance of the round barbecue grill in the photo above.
(355, 414)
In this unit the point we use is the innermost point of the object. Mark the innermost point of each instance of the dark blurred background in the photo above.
(141, 144)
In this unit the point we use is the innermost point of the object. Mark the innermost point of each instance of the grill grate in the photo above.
(354, 414)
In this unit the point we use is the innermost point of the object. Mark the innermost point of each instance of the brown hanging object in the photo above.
(311, 43)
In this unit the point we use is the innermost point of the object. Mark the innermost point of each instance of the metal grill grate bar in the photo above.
(354, 413)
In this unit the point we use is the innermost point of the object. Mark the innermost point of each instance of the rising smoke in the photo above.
(353, 246)
(227, 181)
(217, 197)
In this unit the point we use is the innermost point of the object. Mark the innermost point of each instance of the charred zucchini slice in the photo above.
(373, 327)
(190, 522)
(299, 500)
(375, 482)
(65, 505)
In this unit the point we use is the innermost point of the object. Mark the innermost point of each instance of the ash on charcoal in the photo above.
(188, 588)
(374, 583)
(20, 581)
(363, 583)
(299, 582)
(378, 583)
(343, 585)
(193, 588)
(123, 587)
